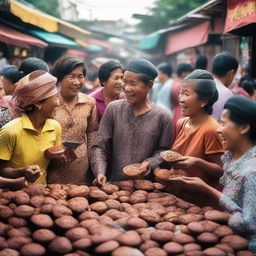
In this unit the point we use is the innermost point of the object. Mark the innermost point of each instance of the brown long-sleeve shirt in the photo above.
(124, 138)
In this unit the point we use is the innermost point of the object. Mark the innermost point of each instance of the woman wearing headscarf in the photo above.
(23, 141)
(238, 133)
(77, 115)
(197, 138)
(10, 76)
(132, 130)
(110, 76)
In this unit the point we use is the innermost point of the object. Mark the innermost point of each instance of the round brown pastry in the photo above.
(54, 152)
(170, 156)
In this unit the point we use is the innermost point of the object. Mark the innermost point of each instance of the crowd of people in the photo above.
(137, 112)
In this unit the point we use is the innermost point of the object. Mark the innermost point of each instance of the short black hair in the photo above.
(223, 63)
(205, 88)
(165, 68)
(184, 67)
(12, 73)
(106, 69)
(248, 85)
(201, 62)
(65, 65)
(31, 64)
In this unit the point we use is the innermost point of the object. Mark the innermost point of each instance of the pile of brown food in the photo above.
(130, 218)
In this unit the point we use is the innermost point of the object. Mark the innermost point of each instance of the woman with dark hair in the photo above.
(238, 133)
(197, 139)
(23, 141)
(78, 118)
(110, 76)
(132, 130)
(10, 76)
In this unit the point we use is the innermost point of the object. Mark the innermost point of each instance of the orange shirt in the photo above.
(199, 143)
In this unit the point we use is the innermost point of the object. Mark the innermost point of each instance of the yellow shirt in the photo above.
(21, 145)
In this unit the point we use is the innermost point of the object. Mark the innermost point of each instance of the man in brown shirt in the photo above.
(132, 130)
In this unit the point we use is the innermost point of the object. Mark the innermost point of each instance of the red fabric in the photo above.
(187, 38)
(13, 37)
(239, 14)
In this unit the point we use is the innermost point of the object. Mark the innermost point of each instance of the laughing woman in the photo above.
(238, 131)
(197, 138)
(78, 118)
(110, 76)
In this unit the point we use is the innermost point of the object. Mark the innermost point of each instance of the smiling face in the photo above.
(114, 82)
(188, 99)
(135, 89)
(230, 132)
(72, 83)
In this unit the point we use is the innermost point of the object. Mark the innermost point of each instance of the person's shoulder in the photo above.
(210, 126)
(118, 103)
(54, 123)
(12, 127)
(86, 98)
(248, 169)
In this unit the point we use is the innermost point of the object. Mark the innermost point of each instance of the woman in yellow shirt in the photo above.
(23, 141)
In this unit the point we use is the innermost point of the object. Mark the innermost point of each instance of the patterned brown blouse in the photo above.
(78, 125)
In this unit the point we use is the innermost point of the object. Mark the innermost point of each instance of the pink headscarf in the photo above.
(31, 91)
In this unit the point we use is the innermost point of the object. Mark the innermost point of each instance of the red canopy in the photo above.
(13, 37)
(239, 14)
(187, 38)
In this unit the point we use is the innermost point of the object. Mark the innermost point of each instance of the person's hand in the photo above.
(185, 162)
(100, 180)
(193, 182)
(31, 172)
(144, 168)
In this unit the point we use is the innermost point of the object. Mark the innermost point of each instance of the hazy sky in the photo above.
(112, 9)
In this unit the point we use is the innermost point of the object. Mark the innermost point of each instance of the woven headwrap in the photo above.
(31, 91)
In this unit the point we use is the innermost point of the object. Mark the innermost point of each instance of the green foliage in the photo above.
(165, 12)
(48, 6)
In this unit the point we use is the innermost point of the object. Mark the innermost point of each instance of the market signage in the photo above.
(239, 14)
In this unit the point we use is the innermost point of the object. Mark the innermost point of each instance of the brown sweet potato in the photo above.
(58, 194)
(172, 217)
(162, 236)
(37, 201)
(60, 245)
(59, 210)
(78, 204)
(148, 244)
(46, 208)
(106, 247)
(115, 214)
(113, 204)
(236, 242)
(88, 215)
(127, 251)
(129, 238)
(16, 222)
(135, 223)
(5, 212)
(79, 191)
(207, 238)
(173, 248)
(82, 243)
(15, 232)
(150, 216)
(139, 196)
(49, 200)
(43, 235)
(155, 251)
(217, 216)
(157, 208)
(32, 249)
(183, 238)
(24, 211)
(165, 226)
(9, 252)
(214, 252)
(106, 220)
(223, 230)
(99, 207)
(97, 194)
(194, 209)
(21, 197)
(225, 247)
(35, 189)
(76, 233)
(87, 223)
(3, 228)
(144, 185)
(159, 186)
(9, 195)
(17, 242)
(109, 188)
(192, 247)
(244, 253)
(66, 222)
(105, 234)
(190, 217)
(42, 220)
(123, 199)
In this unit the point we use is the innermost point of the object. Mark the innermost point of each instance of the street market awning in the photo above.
(150, 42)
(239, 14)
(54, 38)
(190, 37)
(14, 37)
(47, 22)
